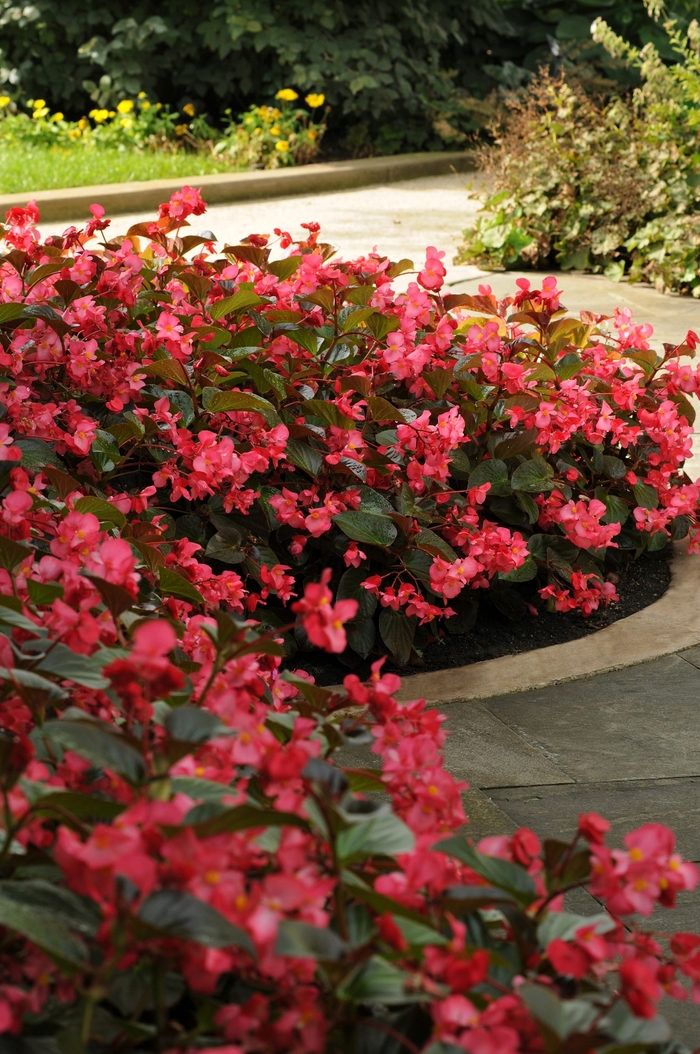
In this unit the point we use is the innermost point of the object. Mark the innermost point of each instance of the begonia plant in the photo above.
(243, 423)
(194, 452)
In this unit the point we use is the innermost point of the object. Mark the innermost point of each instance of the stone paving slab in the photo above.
(484, 750)
(552, 811)
(636, 723)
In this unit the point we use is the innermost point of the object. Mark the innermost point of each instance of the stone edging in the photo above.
(667, 626)
(145, 196)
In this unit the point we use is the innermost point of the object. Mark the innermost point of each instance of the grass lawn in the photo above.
(26, 166)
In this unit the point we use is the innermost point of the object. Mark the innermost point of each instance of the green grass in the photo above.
(26, 166)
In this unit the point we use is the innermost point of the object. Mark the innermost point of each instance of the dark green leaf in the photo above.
(36, 454)
(431, 542)
(350, 588)
(104, 510)
(397, 631)
(517, 443)
(31, 681)
(194, 787)
(525, 573)
(304, 941)
(361, 637)
(43, 929)
(189, 724)
(284, 269)
(181, 915)
(366, 527)
(305, 338)
(241, 300)
(41, 593)
(379, 981)
(382, 410)
(64, 905)
(9, 312)
(562, 1017)
(501, 873)
(224, 546)
(217, 401)
(646, 496)
(381, 325)
(244, 817)
(304, 456)
(98, 742)
(618, 511)
(12, 553)
(418, 563)
(9, 616)
(386, 835)
(173, 584)
(116, 598)
(167, 370)
(494, 472)
(614, 467)
(83, 806)
(70, 666)
(328, 411)
(533, 476)
(104, 452)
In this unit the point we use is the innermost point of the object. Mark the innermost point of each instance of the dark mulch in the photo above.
(494, 634)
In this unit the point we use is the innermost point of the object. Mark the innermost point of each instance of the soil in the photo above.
(644, 582)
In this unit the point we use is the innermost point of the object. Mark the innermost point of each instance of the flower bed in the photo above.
(184, 867)
(245, 423)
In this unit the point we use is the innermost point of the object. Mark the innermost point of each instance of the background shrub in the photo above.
(601, 185)
(397, 76)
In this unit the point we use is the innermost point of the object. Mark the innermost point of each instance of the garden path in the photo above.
(626, 744)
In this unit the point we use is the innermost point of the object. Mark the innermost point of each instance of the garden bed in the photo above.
(494, 635)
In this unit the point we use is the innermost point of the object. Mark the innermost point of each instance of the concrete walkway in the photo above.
(624, 744)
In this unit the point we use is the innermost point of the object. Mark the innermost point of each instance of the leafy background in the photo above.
(397, 77)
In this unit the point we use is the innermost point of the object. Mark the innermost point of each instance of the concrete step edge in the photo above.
(122, 198)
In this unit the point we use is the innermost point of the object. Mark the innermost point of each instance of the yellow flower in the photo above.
(314, 101)
(127, 122)
(74, 133)
(282, 145)
(275, 130)
(287, 95)
(39, 113)
(189, 109)
(125, 106)
(181, 129)
(99, 116)
(313, 134)
(57, 117)
(145, 105)
(142, 95)
(83, 124)
(5, 100)
(38, 103)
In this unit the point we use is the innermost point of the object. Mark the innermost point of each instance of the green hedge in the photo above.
(388, 70)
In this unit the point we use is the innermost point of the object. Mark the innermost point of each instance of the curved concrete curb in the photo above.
(121, 198)
(667, 626)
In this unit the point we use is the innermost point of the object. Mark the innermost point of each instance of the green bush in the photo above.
(397, 76)
(603, 186)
